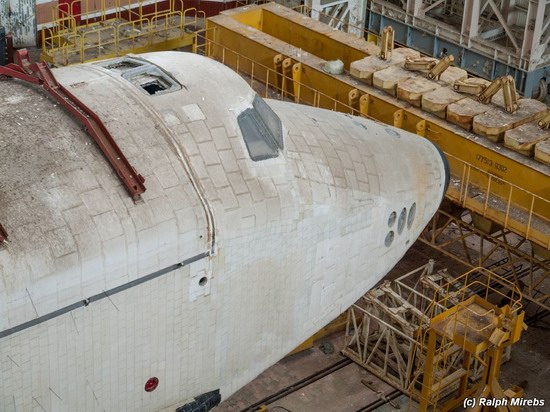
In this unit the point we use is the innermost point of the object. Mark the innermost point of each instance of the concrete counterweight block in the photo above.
(365, 68)
(436, 101)
(542, 152)
(411, 90)
(494, 122)
(388, 79)
(524, 138)
(462, 112)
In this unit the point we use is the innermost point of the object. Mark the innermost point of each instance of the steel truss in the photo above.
(387, 328)
(504, 252)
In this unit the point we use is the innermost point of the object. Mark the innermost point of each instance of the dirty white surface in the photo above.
(298, 238)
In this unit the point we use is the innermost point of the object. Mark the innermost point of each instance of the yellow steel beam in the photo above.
(310, 36)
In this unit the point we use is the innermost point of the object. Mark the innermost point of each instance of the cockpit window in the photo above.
(262, 130)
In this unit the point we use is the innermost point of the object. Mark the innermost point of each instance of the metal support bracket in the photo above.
(278, 66)
(469, 87)
(40, 74)
(353, 99)
(421, 128)
(287, 75)
(508, 86)
(387, 42)
(544, 123)
(398, 118)
(440, 67)
(297, 79)
(364, 103)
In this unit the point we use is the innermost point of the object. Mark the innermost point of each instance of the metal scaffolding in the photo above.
(511, 256)
(437, 338)
(91, 32)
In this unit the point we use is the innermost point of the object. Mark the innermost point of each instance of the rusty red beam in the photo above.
(12, 70)
(96, 129)
(39, 73)
(3, 233)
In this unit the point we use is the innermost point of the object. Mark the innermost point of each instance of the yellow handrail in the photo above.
(496, 206)
(75, 35)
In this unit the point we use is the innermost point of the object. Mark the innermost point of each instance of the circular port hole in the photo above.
(412, 213)
(203, 281)
(151, 384)
(389, 238)
(391, 219)
(402, 220)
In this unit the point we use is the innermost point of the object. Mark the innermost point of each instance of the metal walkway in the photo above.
(93, 34)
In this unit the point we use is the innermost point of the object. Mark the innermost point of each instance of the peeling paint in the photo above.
(19, 19)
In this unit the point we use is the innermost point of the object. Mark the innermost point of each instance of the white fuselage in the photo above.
(221, 268)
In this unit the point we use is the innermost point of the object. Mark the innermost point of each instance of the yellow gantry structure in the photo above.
(437, 338)
(282, 49)
(88, 32)
(466, 325)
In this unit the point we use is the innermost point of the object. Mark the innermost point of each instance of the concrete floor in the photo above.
(343, 391)
(340, 391)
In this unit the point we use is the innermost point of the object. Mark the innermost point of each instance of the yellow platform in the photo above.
(79, 38)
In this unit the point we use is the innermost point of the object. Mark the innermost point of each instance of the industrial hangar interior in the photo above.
(211, 205)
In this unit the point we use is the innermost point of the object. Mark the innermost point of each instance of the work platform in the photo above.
(78, 37)
(489, 178)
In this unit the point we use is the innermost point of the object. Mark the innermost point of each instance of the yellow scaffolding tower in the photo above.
(437, 338)
(479, 328)
(129, 27)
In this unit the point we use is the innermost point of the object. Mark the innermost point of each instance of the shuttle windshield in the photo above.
(262, 130)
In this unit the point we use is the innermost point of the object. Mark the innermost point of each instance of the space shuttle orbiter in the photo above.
(261, 221)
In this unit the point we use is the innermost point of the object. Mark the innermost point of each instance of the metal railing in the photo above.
(286, 87)
(91, 34)
(485, 283)
(493, 197)
(86, 14)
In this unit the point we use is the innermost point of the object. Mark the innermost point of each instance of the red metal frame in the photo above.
(40, 74)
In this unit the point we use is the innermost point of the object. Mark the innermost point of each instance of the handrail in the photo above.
(496, 206)
(162, 22)
(197, 14)
(68, 42)
(243, 61)
(103, 40)
(136, 28)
